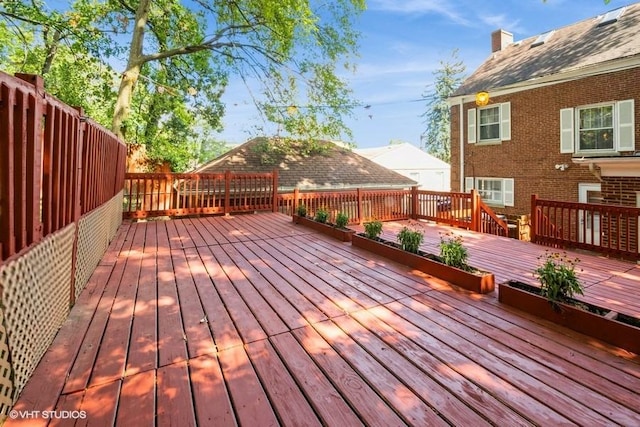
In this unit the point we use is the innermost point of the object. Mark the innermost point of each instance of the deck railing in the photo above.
(61, 178)
(607, 229)
(173, 194)
(456, 209)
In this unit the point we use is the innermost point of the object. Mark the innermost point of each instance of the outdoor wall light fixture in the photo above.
(482, 98)
(562, 167)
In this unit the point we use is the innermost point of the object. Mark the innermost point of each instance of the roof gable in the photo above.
(337, 168)
(578, 46)
(403, 156)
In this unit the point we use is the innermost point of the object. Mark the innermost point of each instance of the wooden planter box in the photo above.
(479, 283)
(342, 234)
(594, 321)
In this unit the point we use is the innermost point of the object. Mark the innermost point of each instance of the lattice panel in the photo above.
(35, 300)
(95, 231)
(6, 372)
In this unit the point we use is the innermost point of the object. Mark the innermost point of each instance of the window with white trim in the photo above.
(493, 191)
(489, 124)
(597, 129)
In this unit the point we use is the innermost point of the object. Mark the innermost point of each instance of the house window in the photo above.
(595, 128)
(493, 191)
(489, 125)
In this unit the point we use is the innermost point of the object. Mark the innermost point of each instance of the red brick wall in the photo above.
(534, 149)
(620, 190)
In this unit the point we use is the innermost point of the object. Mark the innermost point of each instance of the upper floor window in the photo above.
(595, 128)
(598, 129)
(490, 124)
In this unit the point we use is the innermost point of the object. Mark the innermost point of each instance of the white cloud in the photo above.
(408, 7)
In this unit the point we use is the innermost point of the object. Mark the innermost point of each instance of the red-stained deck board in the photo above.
(520, 353)
(295, 277)
(100, 404)
(198, 336)
(171, 335)
(210, 394)
(260, 309)
(524, 392)
(352, 266)
(279, 277)
(194, 232)
(67, 402)
(111, 358)
(143, 346)
(81, 370)
(247, 325)
(400, 338)
(352, 286)
(286, 311)
(137, 403)
(428, 389)
(224, 332)
(185, 237)
(373, 410)
(209, 223)
(327, 402)
(344, 296)
(174, 400)
(288, 401)
(249, 399)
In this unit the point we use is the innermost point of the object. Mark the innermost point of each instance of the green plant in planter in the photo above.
(322, 215)
(453, 252)
(558, 278)
(342, 219)
(373, 229)
(410, 240)
(301, 211)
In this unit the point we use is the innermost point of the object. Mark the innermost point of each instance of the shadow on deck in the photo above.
(252, 320)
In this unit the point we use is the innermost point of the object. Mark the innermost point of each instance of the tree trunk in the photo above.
(51, 48)
(132, 72)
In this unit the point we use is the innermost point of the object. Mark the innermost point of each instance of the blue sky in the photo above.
(403, 42)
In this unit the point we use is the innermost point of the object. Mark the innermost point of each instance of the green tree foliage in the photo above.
(174, 60)
(436, 139)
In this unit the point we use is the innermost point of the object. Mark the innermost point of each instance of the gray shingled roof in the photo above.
(570, 48)
(338, 168)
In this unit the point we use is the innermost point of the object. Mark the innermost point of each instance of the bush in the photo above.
(373, 229)
(342, 219)
(558, 278)
(322, 215)
(302, 211)
(410, 240)
(453, 252)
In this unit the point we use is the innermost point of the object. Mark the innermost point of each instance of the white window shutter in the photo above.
(468, 184)
(471, 126)
(505, 121)
(625, 130)
(507, 191)
(566, 130)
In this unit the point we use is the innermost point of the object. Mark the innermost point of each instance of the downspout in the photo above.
(461, 177)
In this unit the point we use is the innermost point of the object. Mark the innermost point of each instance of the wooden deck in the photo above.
(251, 320)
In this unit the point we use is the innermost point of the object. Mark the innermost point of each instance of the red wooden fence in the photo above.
(607, 229)
(55, 164)
(162, 194)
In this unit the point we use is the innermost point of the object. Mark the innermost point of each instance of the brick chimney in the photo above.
(500, 39)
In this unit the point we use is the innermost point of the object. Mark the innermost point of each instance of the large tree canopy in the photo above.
(174, 59)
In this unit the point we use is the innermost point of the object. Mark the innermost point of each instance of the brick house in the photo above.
(561, 120)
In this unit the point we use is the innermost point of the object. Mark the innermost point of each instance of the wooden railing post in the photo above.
(296, 197)
(475, 211)
(534, 218)
(227, 190)
(275, 191)
(359, 207)
(414, 202)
